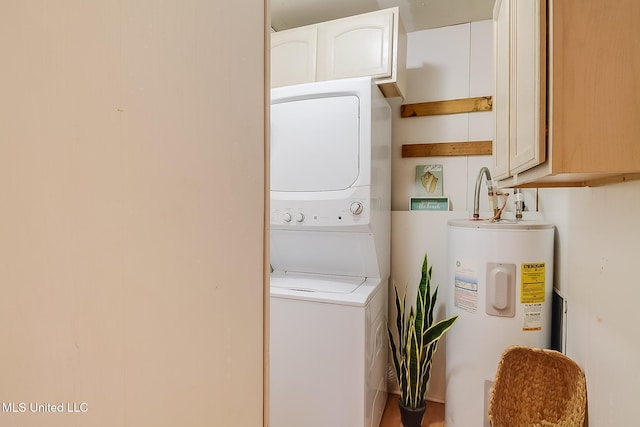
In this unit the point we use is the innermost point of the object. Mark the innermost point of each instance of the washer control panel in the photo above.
(313, 214)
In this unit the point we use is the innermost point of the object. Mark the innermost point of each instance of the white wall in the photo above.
(597, 253)
(441, 64)
(597, 230)
(444, 63)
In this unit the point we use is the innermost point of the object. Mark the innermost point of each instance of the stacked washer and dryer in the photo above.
(329, 253)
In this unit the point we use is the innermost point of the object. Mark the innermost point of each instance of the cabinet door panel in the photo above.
(501, 95)
(527, 85)
(293, 56)
(596, 78)
(358, 46)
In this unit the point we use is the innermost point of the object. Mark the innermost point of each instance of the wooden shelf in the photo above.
(468, 148)
(453, 106)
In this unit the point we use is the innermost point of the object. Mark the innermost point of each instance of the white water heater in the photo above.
(501, 284)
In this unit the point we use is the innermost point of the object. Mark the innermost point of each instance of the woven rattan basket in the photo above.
(536, 387)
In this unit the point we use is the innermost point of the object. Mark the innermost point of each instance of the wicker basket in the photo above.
(536, 387)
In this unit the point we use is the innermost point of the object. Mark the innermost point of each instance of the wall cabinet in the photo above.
(293, 56)
(371, 44)
(520, 86)
(567, 98)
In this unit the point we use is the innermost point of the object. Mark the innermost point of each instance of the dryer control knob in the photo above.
(356, 208)
(300, 217)
(286, 217)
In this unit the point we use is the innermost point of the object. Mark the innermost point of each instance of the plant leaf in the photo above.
(400, 321)
(436, 331)
(394, 353)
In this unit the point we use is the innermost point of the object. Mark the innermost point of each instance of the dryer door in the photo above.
(315, 144)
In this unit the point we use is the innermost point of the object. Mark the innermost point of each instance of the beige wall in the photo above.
(132, 211)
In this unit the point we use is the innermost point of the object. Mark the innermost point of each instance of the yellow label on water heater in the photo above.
(532, 276)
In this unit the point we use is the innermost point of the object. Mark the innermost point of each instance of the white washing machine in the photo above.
(329, 251)
(328, 351)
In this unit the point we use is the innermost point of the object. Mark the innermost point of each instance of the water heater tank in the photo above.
(501, 279)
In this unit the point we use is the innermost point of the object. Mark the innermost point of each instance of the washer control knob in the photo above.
(356, 208)
(300, 217)
(286, 217)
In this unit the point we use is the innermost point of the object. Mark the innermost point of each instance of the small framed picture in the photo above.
(428, 180)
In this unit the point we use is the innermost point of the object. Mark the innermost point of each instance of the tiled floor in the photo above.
(434, 417)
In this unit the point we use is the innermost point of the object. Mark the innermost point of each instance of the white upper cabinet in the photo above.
(527, 86)
(293, 56)
(566, 97)
(371, 44)
(501, 96)
(357, 46)
(520, 97)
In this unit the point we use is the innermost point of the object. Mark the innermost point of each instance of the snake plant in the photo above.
(418, 338)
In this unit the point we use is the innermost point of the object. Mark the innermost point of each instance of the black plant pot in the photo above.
(412, 417)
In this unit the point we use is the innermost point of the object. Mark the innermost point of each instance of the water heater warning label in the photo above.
(466, 285)
(533, 276)
(532, 317)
